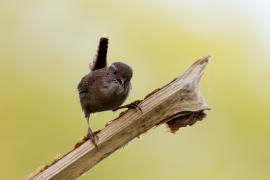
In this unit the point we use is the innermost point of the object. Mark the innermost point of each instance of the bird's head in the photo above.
(120, 73)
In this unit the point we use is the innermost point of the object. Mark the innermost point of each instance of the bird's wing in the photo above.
(83, 86)
(91, 80)
(101, 57)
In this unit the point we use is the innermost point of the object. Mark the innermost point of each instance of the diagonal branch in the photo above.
(178, 104)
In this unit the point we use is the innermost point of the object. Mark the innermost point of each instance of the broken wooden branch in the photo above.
(178, 104)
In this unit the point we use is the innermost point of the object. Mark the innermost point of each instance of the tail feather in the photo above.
(101, 57)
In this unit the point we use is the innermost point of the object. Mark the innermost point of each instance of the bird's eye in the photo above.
(115, 72)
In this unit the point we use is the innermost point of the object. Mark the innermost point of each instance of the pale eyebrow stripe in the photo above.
(113, 66)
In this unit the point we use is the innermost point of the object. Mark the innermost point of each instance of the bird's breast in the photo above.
(110, 96)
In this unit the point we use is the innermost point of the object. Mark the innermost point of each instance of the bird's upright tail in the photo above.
(101, 57)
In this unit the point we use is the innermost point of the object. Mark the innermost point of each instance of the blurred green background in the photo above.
(45, 48)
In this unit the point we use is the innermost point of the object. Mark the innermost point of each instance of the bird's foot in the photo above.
(93, 138)
(133, 105)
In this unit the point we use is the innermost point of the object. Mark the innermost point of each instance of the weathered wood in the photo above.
(180, 98)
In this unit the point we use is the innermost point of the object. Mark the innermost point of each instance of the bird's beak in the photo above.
(121, 81)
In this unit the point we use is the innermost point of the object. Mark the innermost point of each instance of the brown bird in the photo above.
(104, 88)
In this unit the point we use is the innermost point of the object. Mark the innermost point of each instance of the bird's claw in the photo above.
(93, 138)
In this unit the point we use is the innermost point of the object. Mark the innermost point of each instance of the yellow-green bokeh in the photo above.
(45, 48)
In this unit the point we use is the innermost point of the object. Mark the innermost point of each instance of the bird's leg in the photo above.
(92, 136)
(133, 105)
